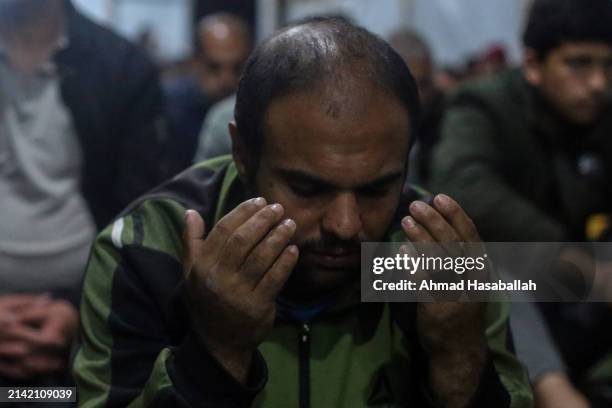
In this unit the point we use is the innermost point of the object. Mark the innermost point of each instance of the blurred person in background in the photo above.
(447, 79)
(224, 43)
(528, 153)
(147, 40)
(489, 62)
(214, 138)
(417, 55)
(81, 135)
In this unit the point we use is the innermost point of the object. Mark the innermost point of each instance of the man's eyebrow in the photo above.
(305, 177)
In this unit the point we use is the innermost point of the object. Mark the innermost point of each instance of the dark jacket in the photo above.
(113, 93)
(524, 174)
(519, 171)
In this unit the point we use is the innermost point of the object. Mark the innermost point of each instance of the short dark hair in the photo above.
(552, 22)
(321, 51)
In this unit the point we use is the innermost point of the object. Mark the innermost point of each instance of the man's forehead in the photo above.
(295, 173)
(343, 99)
(301, 134)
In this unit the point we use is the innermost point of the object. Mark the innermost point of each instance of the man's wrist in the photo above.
(234, 360)
(455, 372)
(192, 365)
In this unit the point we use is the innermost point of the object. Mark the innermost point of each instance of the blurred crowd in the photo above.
(88, 123)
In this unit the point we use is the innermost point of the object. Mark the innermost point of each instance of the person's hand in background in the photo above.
(35, 335)
(554, 390)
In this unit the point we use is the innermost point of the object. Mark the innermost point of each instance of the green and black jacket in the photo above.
(137, 349)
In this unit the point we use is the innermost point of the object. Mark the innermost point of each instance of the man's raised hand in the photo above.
(233, 277)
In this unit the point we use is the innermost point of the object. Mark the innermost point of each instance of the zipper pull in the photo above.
(305, 332)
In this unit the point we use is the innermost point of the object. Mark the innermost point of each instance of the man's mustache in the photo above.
(327, 244)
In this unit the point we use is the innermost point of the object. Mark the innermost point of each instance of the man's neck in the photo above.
(32, 35)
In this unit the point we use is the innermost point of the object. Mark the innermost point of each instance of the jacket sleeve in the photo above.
(136, 347)
(467, 167)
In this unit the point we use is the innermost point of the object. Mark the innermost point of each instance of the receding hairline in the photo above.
(318, 54)
(336, 98)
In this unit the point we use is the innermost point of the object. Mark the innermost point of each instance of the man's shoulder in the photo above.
(501, 92)
(199, 187)
(156, 220)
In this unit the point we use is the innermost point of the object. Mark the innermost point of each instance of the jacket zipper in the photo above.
(304, 366)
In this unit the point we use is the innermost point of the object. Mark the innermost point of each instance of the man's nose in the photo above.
(342, 217)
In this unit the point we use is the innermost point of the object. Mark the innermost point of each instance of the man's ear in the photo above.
(240, 153)
(532, 67)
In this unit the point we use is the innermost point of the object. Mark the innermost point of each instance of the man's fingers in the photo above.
(437, 227)
(268, 250)
(420, 238)
(20, 301)
(457, 218)
(36, 312)
(31, 366)
(192, 238)
(194, 225)
(36, 339)
(226, 226)
(13, 370)
(40, 364)
(7, 318)
(62, 324)
(414, 231)
(247, 236)
(13, 350)
(33, 316)
(273, 281)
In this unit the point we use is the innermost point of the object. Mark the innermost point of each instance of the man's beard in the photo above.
(309, 283)
(302, 286)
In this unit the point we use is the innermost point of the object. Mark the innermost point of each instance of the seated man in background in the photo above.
(81, 134)
(528, 154)
(417, 55)
(214, 139)
(200, 295)
(223, 45)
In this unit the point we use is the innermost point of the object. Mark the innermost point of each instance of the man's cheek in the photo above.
(377, 221)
